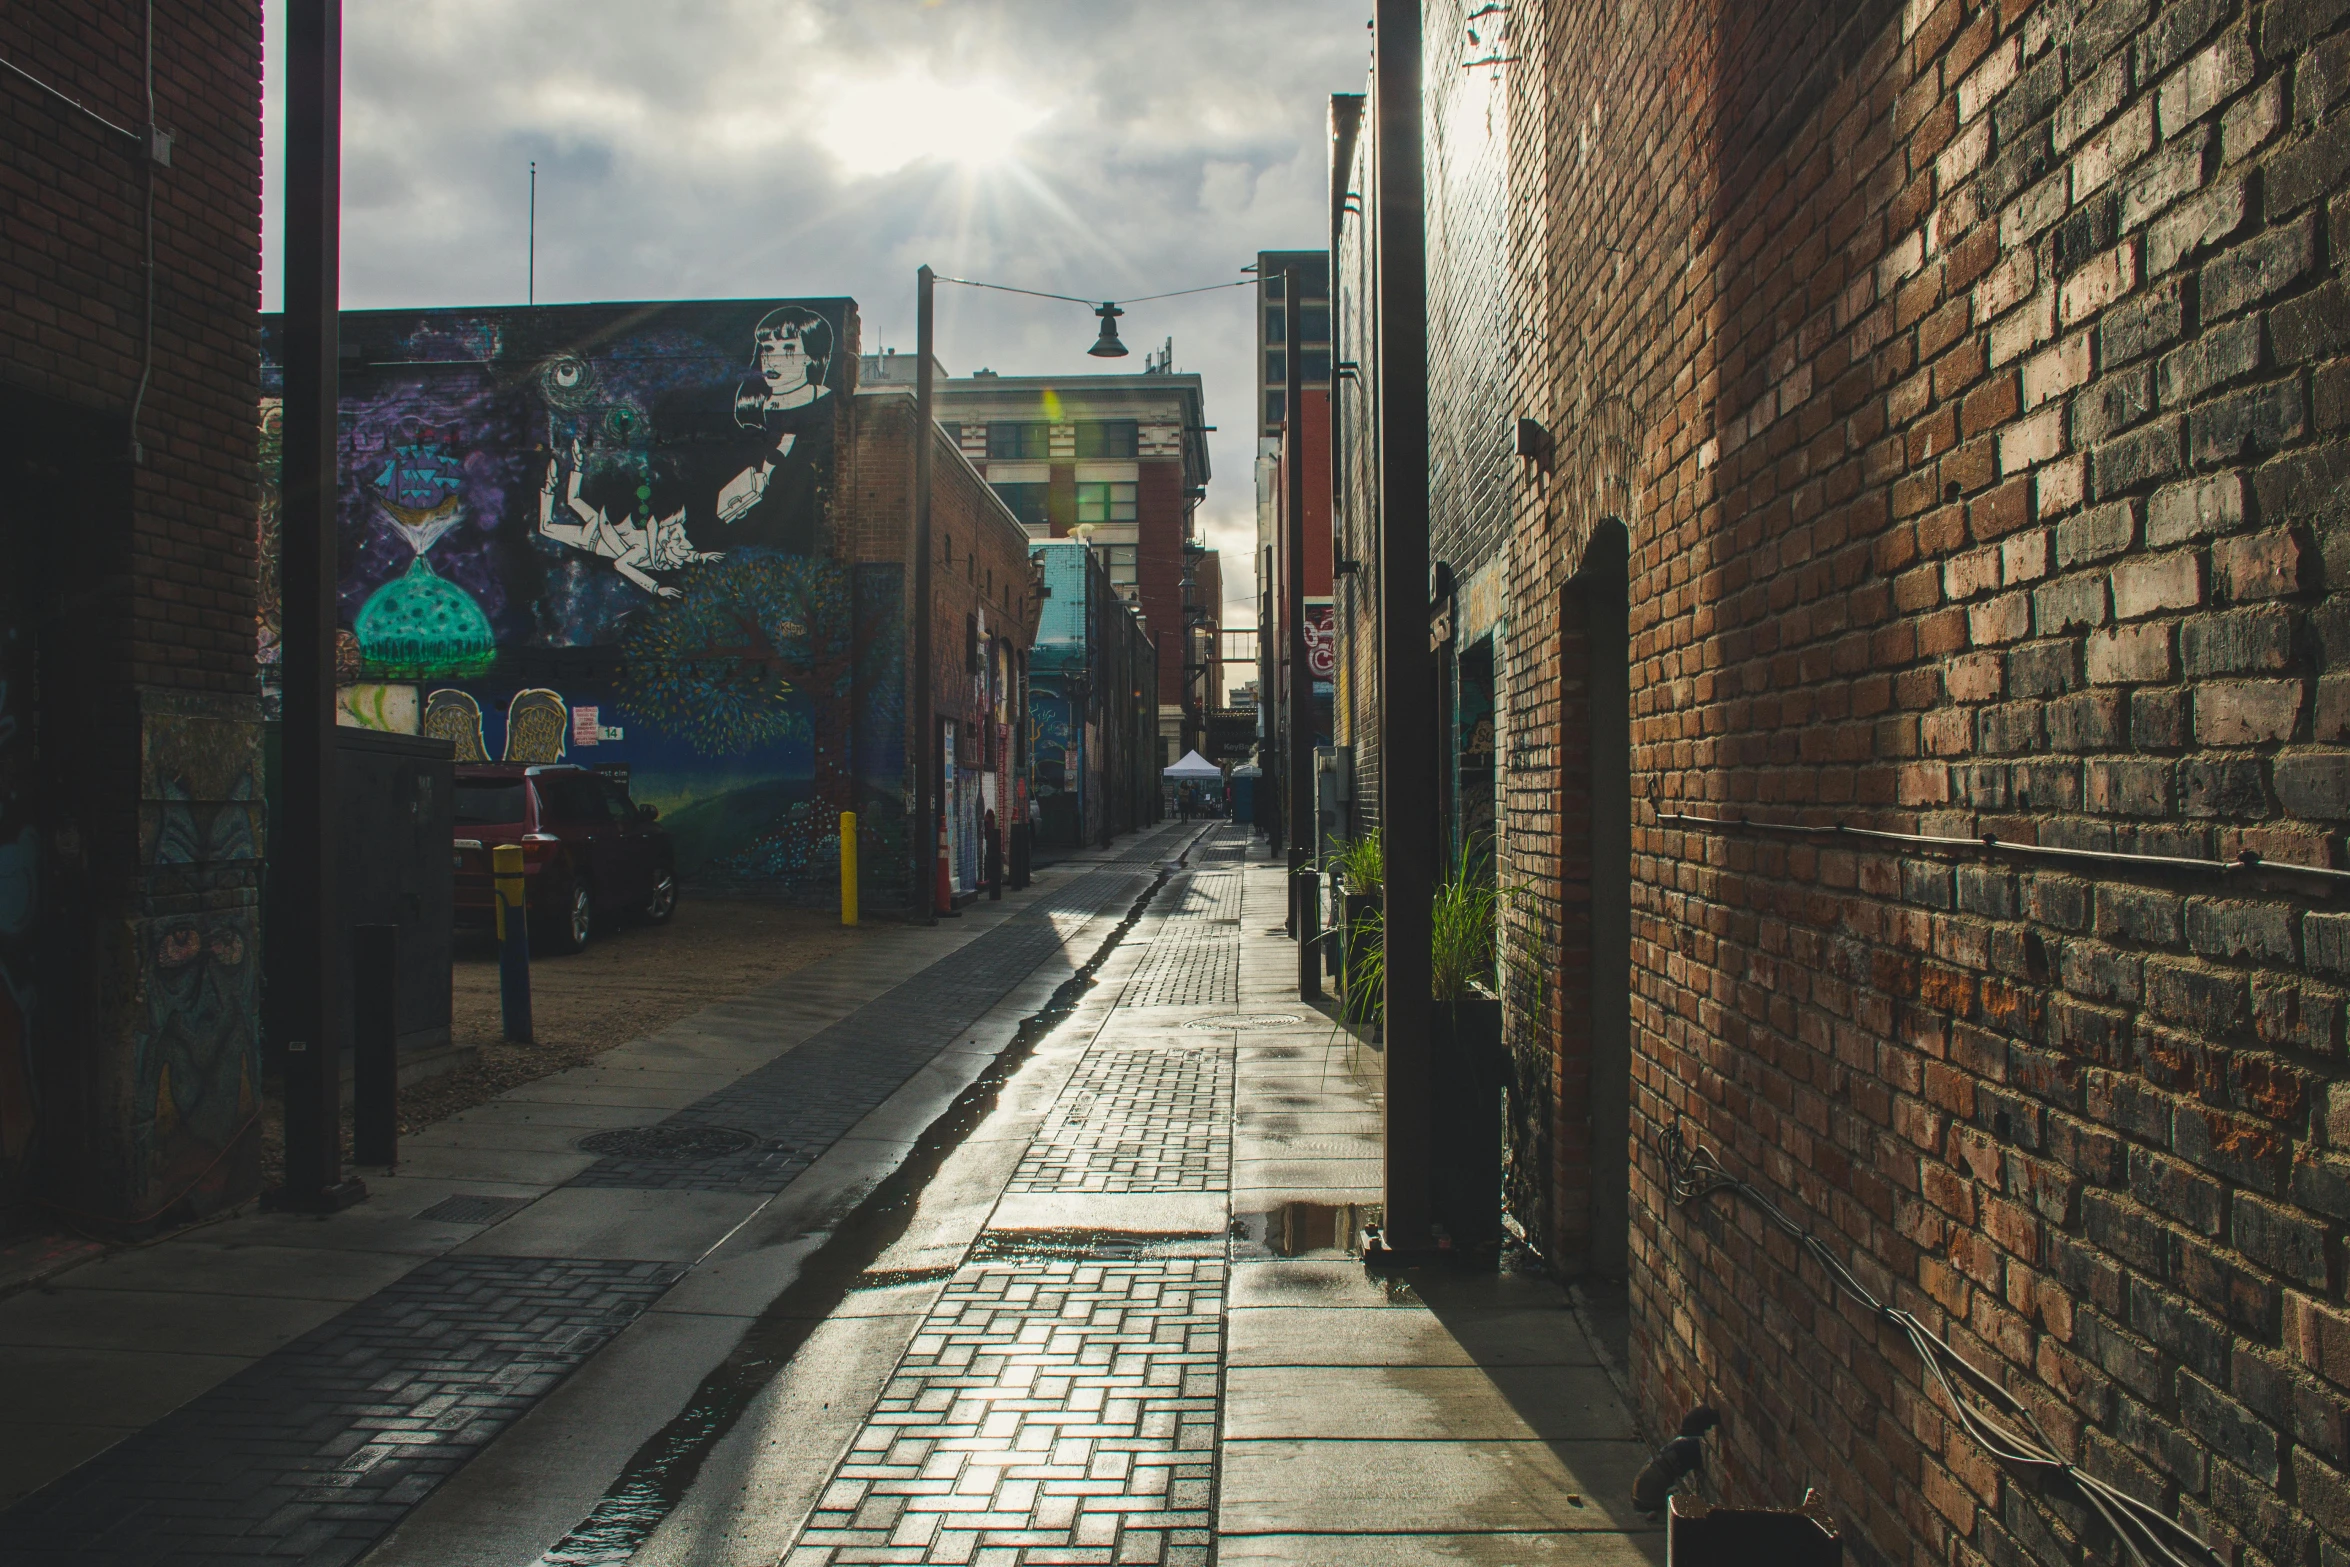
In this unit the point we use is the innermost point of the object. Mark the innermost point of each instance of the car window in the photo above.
(573, 800)
(489, 802)
(616, 796)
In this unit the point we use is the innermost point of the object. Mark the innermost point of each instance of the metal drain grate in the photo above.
(667, 1142)
(463, 1209)
(1229, 1021)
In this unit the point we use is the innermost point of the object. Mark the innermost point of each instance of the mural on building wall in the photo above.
(599, 534)
(195, 1064)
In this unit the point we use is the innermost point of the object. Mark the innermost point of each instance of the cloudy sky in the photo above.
(719, 148)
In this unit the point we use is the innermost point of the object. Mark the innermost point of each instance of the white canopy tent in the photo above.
(1194, 768)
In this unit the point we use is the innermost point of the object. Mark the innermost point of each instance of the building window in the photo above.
(1120, 561)
(1276, 323)
(1313, 323)
(1108, 438)
(1276, 365)
(1105, 503)
(1026, 439)
(1273, 283)
(1275, 409)
(1026, 502)
(1317, 365)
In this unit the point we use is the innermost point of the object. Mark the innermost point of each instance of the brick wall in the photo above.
(126, 1098)
(72, 259)
(979, 565)
(1969, 379)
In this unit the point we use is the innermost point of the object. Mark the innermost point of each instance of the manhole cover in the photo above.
(1227, 1022)
(473, 1210)
(668, 1142)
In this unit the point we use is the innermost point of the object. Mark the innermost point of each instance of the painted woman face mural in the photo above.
(792, 350)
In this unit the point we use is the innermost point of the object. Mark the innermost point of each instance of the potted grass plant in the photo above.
(1467, 1058)
(1360, 869)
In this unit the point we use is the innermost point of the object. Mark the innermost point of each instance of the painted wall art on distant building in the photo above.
(601, 534)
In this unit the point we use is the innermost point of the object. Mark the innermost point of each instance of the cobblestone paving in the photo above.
(801, 1103)
(1137, 1118)
(311, 1454)
(1048, 1411)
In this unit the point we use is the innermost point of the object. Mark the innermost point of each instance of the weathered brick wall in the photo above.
(129, 1096)
(72, 256)
(979, 563)
(1969, 379)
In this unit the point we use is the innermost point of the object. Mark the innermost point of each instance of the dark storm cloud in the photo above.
(725, 148)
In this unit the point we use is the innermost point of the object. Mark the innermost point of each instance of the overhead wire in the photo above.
(1995, 1419)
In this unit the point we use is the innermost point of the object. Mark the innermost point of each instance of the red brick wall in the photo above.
(145, 597)
(1970, 379)
(979, 560)
(72, 239)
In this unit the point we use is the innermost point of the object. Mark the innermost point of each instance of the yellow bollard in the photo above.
(506, 876)
(848, 867)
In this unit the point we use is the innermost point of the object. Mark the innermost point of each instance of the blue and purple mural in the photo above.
(603, 534)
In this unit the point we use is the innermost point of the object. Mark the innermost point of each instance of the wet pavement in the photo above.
(1030, 1239)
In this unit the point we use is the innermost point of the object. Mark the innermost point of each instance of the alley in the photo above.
(1043, 1251)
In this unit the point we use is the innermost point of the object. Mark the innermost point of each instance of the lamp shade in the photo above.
(1107, 345)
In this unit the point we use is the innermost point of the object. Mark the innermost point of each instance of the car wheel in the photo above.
(662, 901)
(574, 919)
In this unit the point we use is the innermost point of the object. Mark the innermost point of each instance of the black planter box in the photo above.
(1465, 1063)
(1352, 908)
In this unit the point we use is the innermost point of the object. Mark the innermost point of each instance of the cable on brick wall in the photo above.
(2244, 864)
(1998, 1422)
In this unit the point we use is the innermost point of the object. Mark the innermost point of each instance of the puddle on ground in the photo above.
(1305, 1229)
(1084, 1245)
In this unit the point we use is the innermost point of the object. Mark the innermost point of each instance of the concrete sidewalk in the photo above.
(293, 1386)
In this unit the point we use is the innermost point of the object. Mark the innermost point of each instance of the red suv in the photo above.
(588, 852)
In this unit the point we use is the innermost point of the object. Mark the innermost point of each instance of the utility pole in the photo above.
(923, 828)
(531, 283)
(1304, 818)
(1407, 697)
(310, 963)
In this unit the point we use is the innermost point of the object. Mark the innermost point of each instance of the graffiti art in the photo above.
(454, 716)
(608, 525)
(537, 727)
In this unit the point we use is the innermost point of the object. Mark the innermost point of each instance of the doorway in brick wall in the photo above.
(1592, 1096)
(64, 529)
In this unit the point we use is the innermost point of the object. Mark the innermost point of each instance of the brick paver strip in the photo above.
(310, 1455)
(801, 1103)
(1194, 958)
(1048, 1411)
(1136, 1118)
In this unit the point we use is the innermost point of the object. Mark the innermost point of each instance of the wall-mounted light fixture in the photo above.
(1535, 443)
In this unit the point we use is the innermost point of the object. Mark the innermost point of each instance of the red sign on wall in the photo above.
(1322, 641)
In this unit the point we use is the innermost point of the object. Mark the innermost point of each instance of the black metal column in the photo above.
(922, 825)
(1304, 818)
(1407, 697)
(309, 973)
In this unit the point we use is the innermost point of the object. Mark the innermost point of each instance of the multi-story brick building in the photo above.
(130, 757)
(1122, 461)
(1935, 426)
